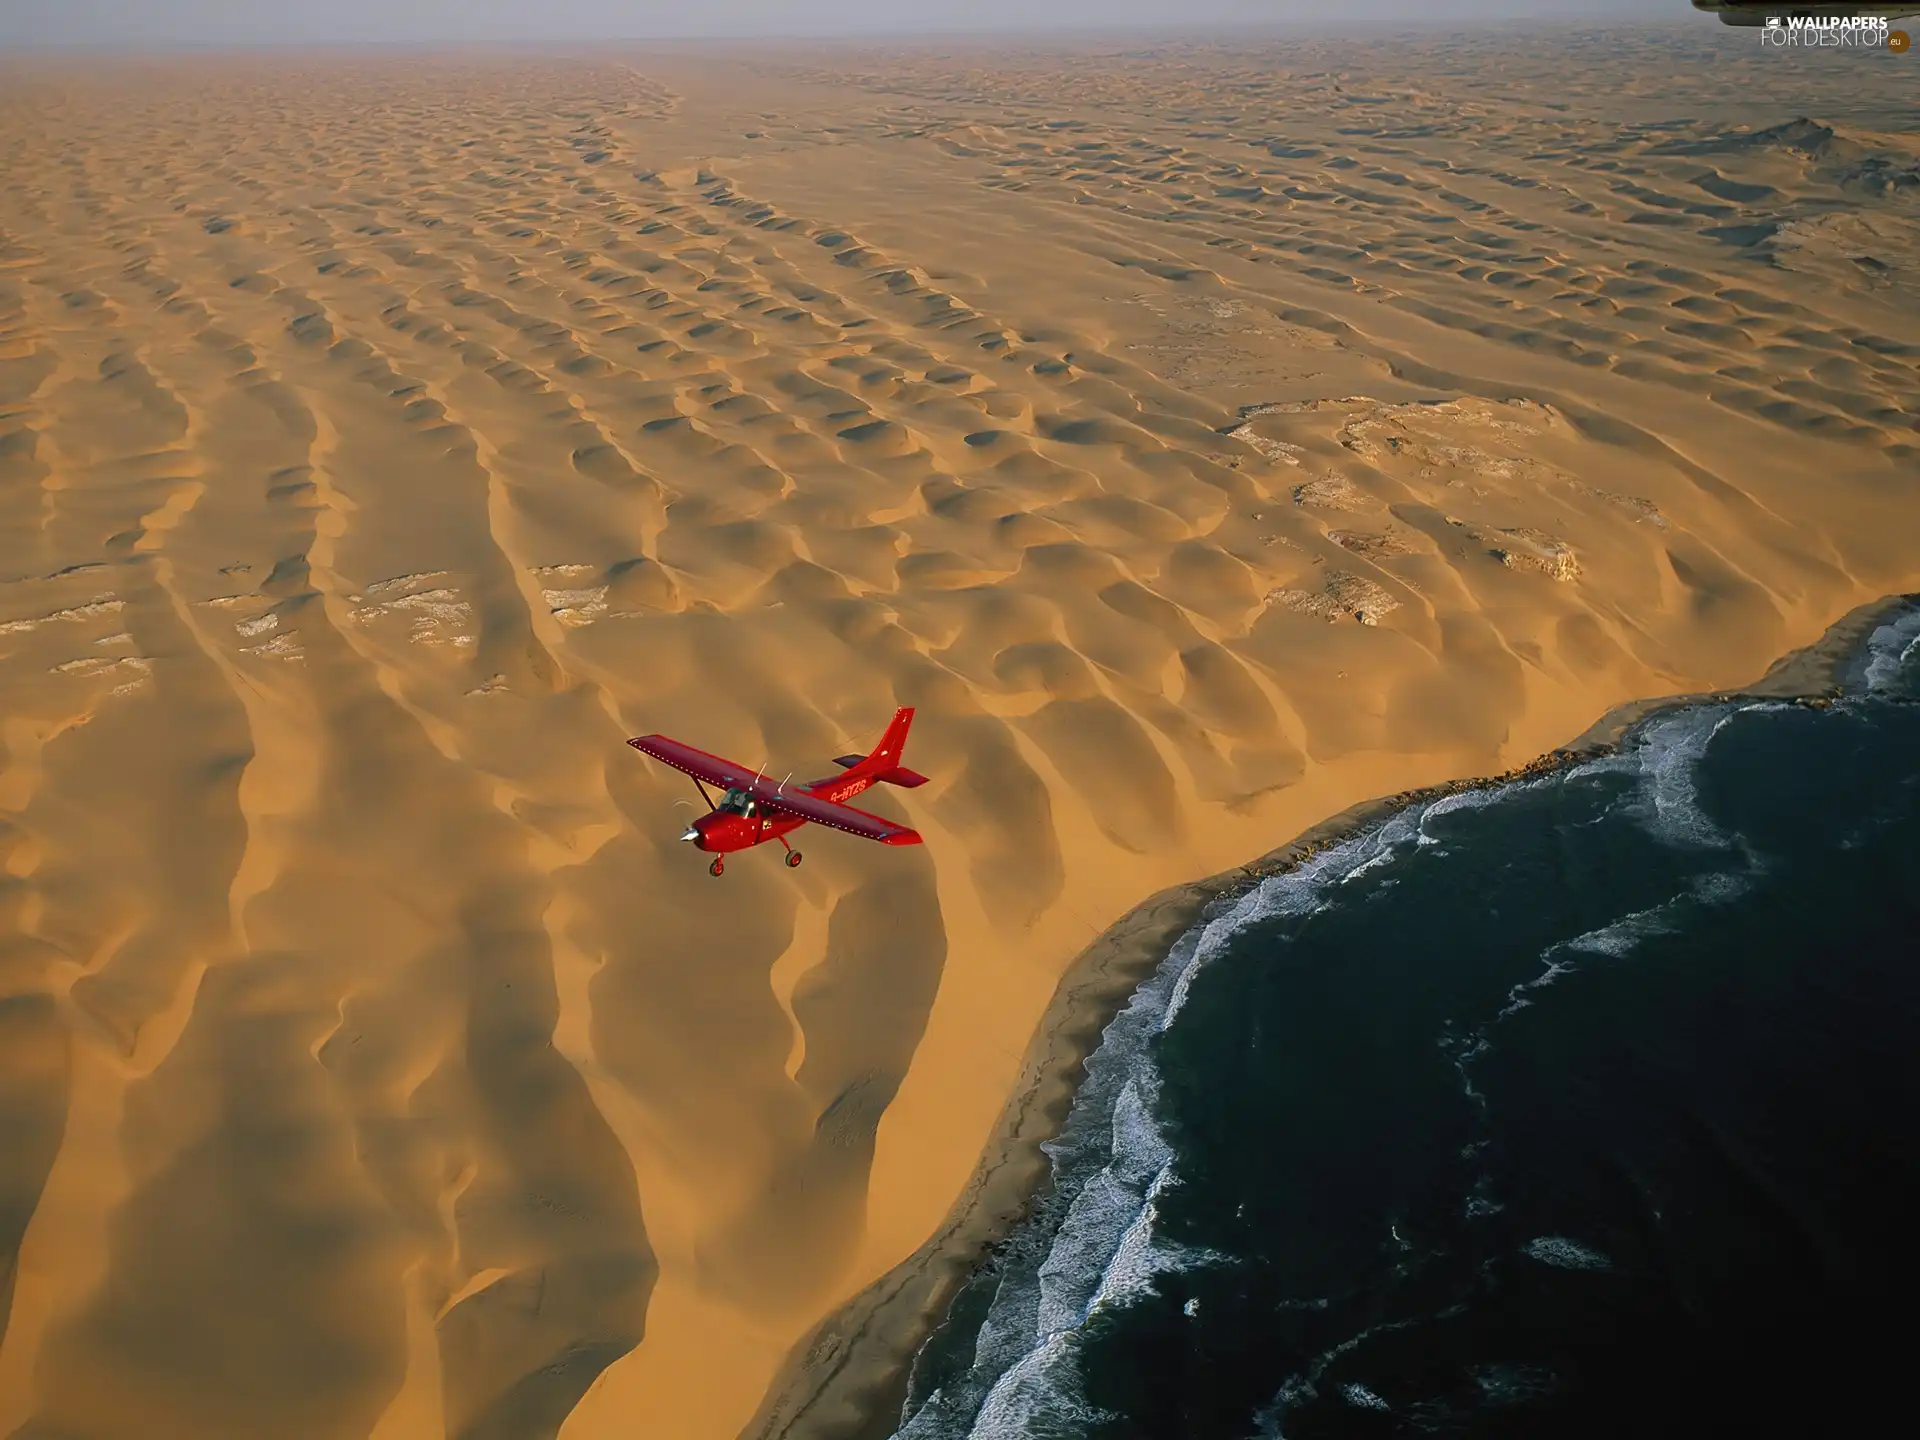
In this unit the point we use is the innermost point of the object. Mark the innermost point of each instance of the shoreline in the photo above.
(849, 1376)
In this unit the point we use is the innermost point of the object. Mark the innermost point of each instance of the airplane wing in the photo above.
(772, 794)
(833, 816)
(697, 763)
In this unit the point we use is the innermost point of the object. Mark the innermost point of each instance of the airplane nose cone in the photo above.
(691, 834)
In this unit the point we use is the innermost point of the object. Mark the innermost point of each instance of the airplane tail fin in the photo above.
(884, 763)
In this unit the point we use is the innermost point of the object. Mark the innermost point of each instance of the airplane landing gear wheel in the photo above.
(793, 858)
(716, 867)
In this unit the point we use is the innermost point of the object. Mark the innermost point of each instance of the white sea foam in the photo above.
(1565, 1254)
(1672, 755)
(1113, 1166)
(1036, 1398)
(1298, 892)
(1367, 866)
(1893, 650)
(1069, 1281)
(1663, 761)
(1719, 887)
(1459, 800)
(1305, 1386)
(1620, 938)
(1512, 1384)
(1142, 1257)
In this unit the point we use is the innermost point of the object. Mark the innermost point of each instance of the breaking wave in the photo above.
(1892, 656)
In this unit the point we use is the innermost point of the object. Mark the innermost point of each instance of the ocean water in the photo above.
(1588, 1105)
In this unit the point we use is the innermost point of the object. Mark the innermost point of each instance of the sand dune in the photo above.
(1204, 438)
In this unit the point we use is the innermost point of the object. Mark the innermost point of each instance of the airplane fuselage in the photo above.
(723, 831)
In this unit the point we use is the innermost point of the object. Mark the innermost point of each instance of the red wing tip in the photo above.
(904, 837)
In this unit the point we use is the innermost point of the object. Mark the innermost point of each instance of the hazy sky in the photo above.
(253, 22)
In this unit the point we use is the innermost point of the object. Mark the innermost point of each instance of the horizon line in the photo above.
(1335, 25)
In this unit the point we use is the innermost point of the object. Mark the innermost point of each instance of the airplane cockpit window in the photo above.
(737, 802)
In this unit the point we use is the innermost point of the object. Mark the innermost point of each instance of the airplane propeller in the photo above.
(692, 832)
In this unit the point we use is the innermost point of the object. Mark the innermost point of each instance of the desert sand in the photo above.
(1205, 437)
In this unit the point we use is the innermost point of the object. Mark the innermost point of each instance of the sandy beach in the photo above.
(1207, 438)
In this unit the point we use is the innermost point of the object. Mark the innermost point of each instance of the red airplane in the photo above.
(755, 810)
